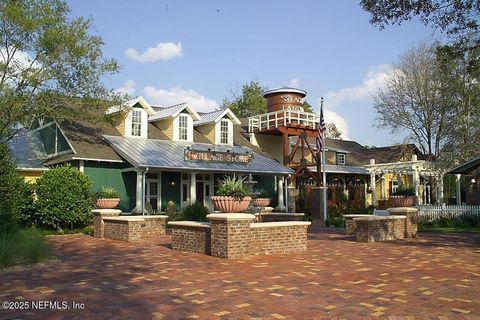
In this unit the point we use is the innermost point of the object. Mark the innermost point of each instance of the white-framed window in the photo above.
(136, 123)
(224, 132)
(341, 158)
(182, 127)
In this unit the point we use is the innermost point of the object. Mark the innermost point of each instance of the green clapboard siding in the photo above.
(266, 183)
(109, 174)
(169, 192)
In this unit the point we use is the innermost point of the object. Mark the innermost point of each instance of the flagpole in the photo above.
(324, 173)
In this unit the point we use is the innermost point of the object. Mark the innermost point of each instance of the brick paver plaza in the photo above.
(436, 276)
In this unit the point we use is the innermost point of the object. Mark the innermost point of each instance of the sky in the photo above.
(201, 51)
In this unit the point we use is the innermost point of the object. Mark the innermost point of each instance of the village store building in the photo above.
(154, 155)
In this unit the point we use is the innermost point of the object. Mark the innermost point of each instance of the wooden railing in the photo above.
(283, 118)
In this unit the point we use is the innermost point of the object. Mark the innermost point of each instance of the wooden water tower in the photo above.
(285, 117)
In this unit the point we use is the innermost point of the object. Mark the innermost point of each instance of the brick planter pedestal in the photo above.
(411, 223)
(375, 228)
(98, 224)
(230, 234)
(350, 224)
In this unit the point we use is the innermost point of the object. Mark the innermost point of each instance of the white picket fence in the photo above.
(432, 213)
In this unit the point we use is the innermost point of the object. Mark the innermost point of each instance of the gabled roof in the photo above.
(131, 103)
(466, 167)
(173, 111)
(27, 150)
(216, 116)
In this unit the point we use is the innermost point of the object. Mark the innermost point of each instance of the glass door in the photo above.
(152, 193)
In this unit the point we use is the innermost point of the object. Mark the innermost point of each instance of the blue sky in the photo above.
(199, 51)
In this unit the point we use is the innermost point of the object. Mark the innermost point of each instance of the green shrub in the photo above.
(195, 212)
(404, 191)
(233, 187)
(10, 192)
(22, 246)
(63, 199)
(26, 217)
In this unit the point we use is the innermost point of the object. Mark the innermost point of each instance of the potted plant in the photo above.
(403, 197)
(107, 198)
(231, 196)
(261, 200)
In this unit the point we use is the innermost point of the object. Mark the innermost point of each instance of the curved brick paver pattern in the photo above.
(436, 277)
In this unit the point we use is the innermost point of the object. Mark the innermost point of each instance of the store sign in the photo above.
(215, 156)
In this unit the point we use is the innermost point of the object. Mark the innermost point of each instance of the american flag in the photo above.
(321, 129)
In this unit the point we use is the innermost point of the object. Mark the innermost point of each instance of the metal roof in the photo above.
(27, 150)
(173, 111)
(169, 155)
(329, 168)
(284, 90)
(215, 116)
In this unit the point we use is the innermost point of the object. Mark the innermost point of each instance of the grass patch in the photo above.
(22, 246)
(450, 229)
(49, 232)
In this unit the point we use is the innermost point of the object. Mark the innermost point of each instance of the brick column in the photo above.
(230, 233)
(98, 224)
(411, 223)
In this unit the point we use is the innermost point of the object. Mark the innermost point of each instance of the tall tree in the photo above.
(49, 61)
(333, 132)
(412, 99)
(458, 19)
(249, 102)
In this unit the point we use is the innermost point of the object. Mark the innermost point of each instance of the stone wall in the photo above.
(232, 236)
(374, 229)
(277, 238)
(127, 228)
(191, 236)
(411, 222)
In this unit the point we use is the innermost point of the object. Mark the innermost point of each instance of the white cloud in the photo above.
(338, 120)
(178, 95)
(374, 80)
(128, 88)
(294, 83)
(163, 51)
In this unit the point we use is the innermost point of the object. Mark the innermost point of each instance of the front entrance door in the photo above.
(204, 188)
(152, 193)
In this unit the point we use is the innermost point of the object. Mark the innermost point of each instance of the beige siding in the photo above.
(273, 145)
(208, 130)
(166, 125)
(121, 127)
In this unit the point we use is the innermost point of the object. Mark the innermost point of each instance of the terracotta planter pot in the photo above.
(107, 203)
(230, 204)
(402, 201)
(261, 202)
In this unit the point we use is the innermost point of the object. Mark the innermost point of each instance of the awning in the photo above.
(169, 155)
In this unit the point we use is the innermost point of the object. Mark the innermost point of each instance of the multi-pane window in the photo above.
(136, 123)
(182, 127)
(340, 158)
(224, 131)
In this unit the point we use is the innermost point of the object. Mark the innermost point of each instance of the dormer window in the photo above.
(183, 127)
(136, 123)
(341, 158)
(224, 132)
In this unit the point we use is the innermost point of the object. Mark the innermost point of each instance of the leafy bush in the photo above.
(195, 212)
(233, 187)
(63, 198)
(26, 217)
(107, 192)
(260, 193)
(404, 191)
(10, 191)
(22, 246)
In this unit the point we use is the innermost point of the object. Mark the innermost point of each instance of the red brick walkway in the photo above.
(436, 277)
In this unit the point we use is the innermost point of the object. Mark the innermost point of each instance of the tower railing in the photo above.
(283, 118)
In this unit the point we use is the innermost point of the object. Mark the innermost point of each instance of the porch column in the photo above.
(193, 188)
(440, 189)
(281, 203)
(416, 183)
(372, 185)
(383, 187)
(138, 192)
(458, 189)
